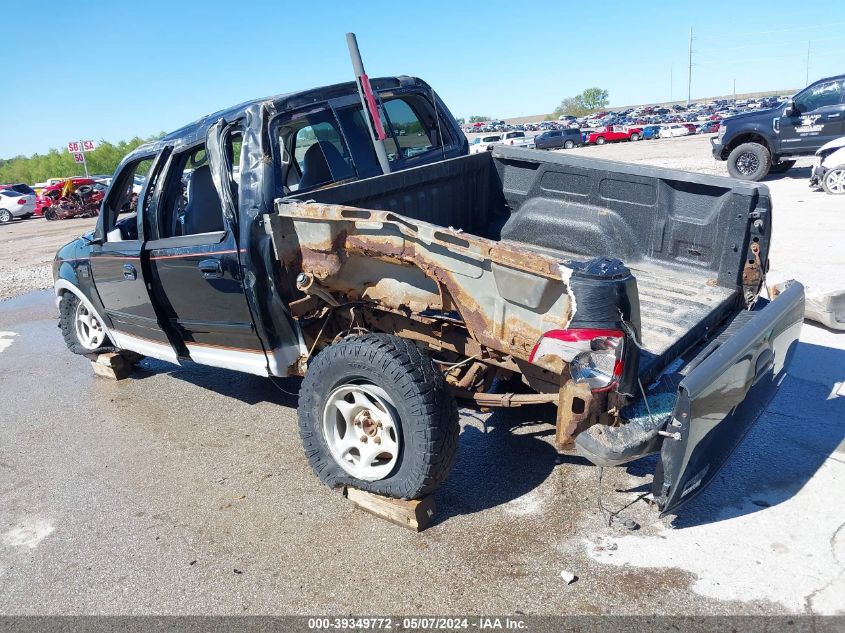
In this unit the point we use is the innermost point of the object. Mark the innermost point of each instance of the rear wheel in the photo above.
(376, 414)
(5, 216)
(749, 161)
(635, 137)
(600, 140)
(781, 166)
(568, 145)
(834, 181)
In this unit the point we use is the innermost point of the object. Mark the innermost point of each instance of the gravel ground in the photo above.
(27, 248)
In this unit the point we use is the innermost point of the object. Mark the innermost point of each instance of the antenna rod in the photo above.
(368, 102)
(689, 70)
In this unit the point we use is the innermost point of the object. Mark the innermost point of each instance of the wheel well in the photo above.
(751, 137)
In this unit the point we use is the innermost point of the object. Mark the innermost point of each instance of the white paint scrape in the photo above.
(789, 553)
(28, 534)
(6, 339)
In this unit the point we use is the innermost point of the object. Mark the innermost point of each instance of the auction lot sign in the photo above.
(77, 149)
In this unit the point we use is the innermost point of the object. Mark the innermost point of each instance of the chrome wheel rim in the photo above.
(360, 426)
(836, 181)
(5, 216)
(89, 330)
(747, 163)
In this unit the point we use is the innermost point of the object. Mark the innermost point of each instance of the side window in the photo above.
(410, 137)
(313, 152)
(190, 204)
(121, 221)
(826, 94)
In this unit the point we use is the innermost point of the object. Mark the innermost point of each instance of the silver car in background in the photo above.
(16, 201)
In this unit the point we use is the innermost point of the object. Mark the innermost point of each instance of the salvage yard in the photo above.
(185, 489)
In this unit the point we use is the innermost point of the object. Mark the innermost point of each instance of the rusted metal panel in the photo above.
(507, 296)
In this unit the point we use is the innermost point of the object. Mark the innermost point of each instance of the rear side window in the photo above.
(410, 137)
(313, 151)
(22, 189)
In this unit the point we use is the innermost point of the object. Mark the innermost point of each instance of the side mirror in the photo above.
(789, 110)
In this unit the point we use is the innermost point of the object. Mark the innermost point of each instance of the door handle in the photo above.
(211, 268)
(835, 115)
(129, 272)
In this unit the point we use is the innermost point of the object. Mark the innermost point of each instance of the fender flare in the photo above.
(63, 285)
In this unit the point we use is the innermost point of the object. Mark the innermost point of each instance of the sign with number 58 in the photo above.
(78, 157)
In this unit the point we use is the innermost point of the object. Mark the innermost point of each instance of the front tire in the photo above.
(635, 137)
(749, 161)
(376, 414)
(834, 181)
(81, 329)
(50, 214)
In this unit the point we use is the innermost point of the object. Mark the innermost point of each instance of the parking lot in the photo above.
(184, 488)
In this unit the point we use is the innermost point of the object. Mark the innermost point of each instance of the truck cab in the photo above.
(755, 144)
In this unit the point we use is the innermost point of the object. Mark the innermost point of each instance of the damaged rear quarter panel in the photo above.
(506, 295)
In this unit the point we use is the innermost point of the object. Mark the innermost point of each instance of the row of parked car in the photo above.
(55, 198)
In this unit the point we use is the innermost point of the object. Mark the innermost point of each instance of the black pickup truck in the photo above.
(265, 241)
(755, 144)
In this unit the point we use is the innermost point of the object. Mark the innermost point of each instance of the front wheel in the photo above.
(635, 137)
(749, 161)
(568, 145)
(834, 181)
(81, 329)
(376, 414)
(50, 214)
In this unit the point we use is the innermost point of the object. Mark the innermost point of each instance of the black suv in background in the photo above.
(554, 139)
(767, 141)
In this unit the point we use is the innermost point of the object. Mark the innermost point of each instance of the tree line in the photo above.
(60, 164)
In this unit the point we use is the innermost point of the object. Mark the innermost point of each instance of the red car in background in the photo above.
(613, 133)
(45, 199)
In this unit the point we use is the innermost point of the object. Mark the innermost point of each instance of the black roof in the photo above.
(196, 131)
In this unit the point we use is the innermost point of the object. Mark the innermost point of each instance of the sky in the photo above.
(105, 69)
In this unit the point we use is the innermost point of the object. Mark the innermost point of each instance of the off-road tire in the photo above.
(568, 145)
(755, 153)
(427, 412)
(781, 166)
(6, 216)
(67, 314)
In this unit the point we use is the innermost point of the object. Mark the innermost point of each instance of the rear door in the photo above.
(116, 265)
(725, 390)
(194, 261)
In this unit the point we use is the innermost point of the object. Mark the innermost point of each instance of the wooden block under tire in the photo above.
(110, 365)
(416, 514)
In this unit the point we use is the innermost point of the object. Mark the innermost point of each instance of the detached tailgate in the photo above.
(725, 390)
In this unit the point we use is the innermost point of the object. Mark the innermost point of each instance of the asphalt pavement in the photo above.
(184, 490)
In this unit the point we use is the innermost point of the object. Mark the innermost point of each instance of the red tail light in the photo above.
(594, 354)
(21, 201)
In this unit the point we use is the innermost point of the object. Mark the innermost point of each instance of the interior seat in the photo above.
(322, 163)
(204, 213)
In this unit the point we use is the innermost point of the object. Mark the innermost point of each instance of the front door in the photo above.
(195, 271)
(818, 117)
(116, 263)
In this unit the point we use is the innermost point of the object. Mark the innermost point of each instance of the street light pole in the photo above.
(689, 70)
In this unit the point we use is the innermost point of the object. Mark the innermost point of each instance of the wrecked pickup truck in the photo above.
(625, 296)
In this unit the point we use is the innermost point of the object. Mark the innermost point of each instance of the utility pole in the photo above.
(689, 70)
(807, 77)
(734, 90)
(671, 68)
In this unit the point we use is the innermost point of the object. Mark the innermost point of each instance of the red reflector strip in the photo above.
(372, 107)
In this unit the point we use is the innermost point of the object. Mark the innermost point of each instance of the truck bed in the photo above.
(683, 235)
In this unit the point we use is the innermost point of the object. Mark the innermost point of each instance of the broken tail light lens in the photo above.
(594, 355)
